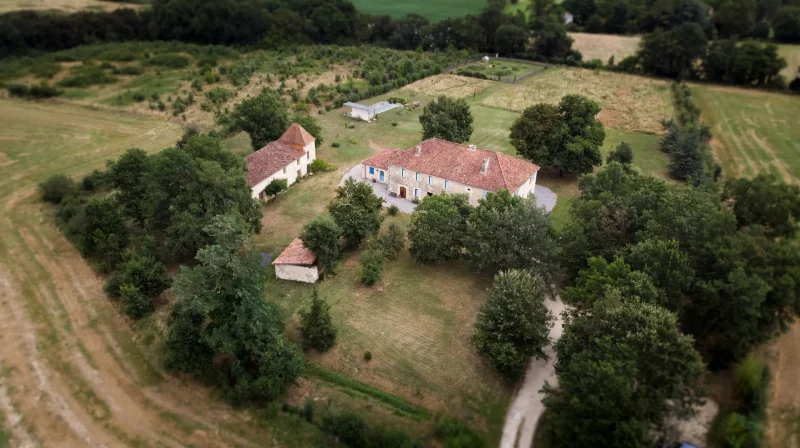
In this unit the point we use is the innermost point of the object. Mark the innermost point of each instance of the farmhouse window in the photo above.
(371, 170)
(416, 177)
(445, 184)
(430, 180)
(402, 172)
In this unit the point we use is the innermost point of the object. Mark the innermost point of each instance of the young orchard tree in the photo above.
(448, 119)
(622, 372)
(513, 324)
(321, 235)
(316, 326)
(356, 210)
(437, 228)
(566, 137)
(264, 117)
(509, 232)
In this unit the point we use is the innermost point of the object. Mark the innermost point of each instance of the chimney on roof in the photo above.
(418, 150)
(485, 166)
(471, 147)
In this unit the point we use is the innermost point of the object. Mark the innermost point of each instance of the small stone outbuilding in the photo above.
(297, 263)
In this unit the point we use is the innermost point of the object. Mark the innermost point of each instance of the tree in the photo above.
(742, 63)
(142, 269)
(321, 235)
(553, 42)
(566, 138)
(509, 232)
(448, 119)
(766, 201)
(316, 326)
(604, 281)
(408, 31)
(134, 303)
(264, 117)
(622, 154)
(623, 371)
(510, 39)
(437, 229)
(103, 234)
(223, 311)
(356, 210)
(513, 324)
(734, 18)
(276, 186)
(580, 9)
(666, 265)
(57, 187)
(672, 53)
(371, 266)
(311, 125)
(787, 24)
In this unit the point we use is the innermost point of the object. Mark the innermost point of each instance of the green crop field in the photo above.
(753, 131)
(433, 10)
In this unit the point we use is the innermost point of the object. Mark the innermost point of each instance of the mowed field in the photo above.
(63, 5)
(73, 371)
(754, 131)
(433, 10)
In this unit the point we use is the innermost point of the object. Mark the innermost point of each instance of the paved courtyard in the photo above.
(544, 196)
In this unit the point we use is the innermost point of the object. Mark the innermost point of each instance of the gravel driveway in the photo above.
(544, 196)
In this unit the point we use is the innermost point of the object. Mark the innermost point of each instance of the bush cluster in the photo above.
(42, 90)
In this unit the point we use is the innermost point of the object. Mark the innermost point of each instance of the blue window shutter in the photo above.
(371, 170)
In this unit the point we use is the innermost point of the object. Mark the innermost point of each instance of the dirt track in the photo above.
(70, 372)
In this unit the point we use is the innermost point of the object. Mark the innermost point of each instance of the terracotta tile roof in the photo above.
(460, 163)
(297, 135)
(381, 159)
(269, 160)
(296, 253)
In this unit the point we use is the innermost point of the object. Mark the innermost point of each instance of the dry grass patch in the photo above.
(603, 46)
(63, 5)
(784, 403)
(450, 85)
(628, 102)
(792, 55)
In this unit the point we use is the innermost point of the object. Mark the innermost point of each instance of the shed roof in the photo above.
(296, 253)
(359, 106)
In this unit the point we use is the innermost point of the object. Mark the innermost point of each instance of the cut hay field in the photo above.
(631, 103)
(64, 5)
(433, 10)
(753, 131)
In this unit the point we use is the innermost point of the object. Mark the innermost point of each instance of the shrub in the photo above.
(316, 326)
(371, 266)
(751, 385)
(92, 181)
(397, 100)
(134, 304)
(128, 70)
(276, 186)
(167, 60)
(394, 123)
(456, 435)
(622, 154)
(322, 236)
(57, 187)
(367, 356)
(138, 97)
(740, 432)
(392, 210)
(86, 77)
(353, 140)
(321, 166)
(350, 428)
(335, 144)
(42, 90)
(219, 95)
(45, 69)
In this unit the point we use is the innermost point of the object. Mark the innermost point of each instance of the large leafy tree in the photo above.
(623, 370)
(672, 53)
(513, 324)
(448, 119)
(101, 232)
(437, 228)
(603, 281)
(766, 201)
(321, 235)
(356, 210)
(552, 41)
(510, 39)
(264, 117)
(787, 24)
(566, 138)
(127, 175)
(667, 266)
(222, 311)
(509, 232)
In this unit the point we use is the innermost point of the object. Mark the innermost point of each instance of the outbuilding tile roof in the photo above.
(272, 158)
(296, 253)
(460, 163)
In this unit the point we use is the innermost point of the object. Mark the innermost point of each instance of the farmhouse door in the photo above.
(382, 178)
(403, 192)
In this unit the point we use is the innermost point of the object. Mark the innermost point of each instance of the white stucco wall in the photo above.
(297, 273)
(290, 171)
(360, 114)
(376, 175)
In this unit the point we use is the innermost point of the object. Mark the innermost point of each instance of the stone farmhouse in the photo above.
(438, 166)
(286, 158)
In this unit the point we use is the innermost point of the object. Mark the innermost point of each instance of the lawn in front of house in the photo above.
(753, 131)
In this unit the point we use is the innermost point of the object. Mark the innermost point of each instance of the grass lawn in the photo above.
(504, 69)
(753, 131)
(434, 11)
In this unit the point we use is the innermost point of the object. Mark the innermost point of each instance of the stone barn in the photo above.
(297, 263)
